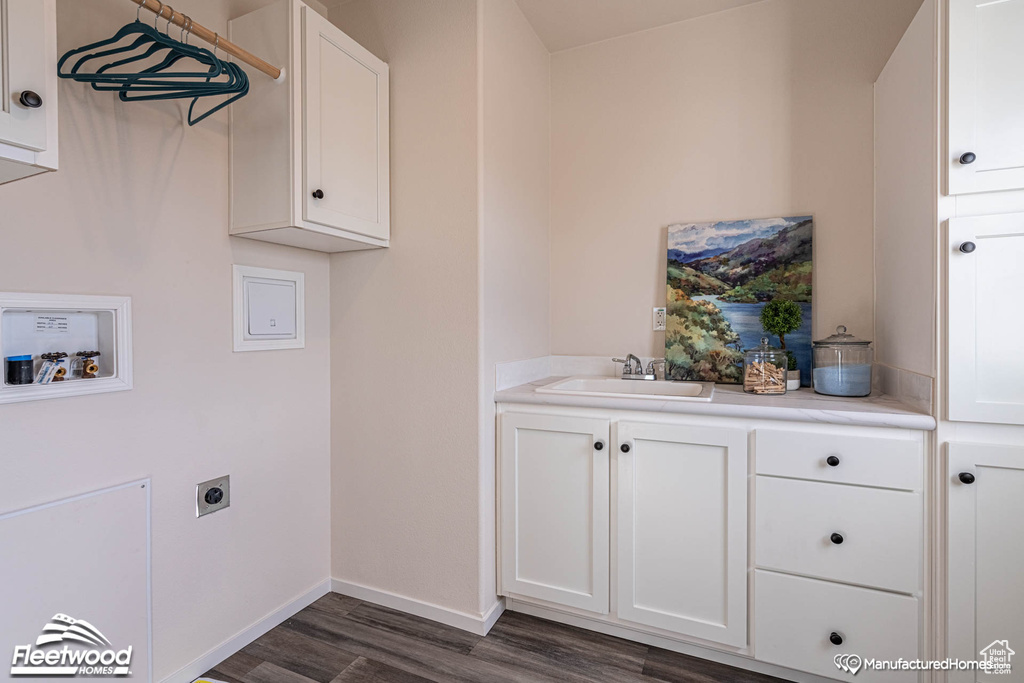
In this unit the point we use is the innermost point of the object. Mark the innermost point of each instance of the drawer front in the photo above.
(879, 532)
(794, 618)
(862, 460)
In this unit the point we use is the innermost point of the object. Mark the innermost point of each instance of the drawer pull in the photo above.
(835, 638)
(832, 460)
(966, 477)
(836, 538)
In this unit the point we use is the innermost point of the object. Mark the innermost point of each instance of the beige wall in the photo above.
(906, 118)
(515, 241)
(139, 207)
(404, 342)
(760, 111)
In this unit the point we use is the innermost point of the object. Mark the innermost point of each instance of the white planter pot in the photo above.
(792, 380)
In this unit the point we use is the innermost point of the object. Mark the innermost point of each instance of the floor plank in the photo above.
(675, 667)
(336, 603)
(559, 651)
(314, 659)
(368, 671)
(272, 673)
(234, 668)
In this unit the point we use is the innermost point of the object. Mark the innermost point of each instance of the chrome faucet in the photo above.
(628, 371)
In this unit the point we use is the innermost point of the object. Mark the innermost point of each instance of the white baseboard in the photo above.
(197, 668)
(479, 624)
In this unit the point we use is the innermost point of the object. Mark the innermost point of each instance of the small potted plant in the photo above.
(781, 317)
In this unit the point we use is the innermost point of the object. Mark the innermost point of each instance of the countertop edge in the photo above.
(900, 416)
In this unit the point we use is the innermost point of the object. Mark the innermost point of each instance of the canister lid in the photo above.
(765, 347)
(29, 357)
(841, 337)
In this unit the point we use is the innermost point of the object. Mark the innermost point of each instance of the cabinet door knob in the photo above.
(968, 158)
(832, 460)
(966, 477)
(836, 538)
(624, 448)
(968, 247)
(30, 99)
(318, 194)
(835, 638)
(598, 445)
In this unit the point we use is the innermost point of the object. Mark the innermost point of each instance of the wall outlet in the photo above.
(659, 319)
(213, 495)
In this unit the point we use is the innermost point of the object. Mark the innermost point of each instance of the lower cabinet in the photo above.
(554, 509)
(986, 554)
(682, 529)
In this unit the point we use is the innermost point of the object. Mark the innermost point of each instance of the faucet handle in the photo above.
(654, 362)
(627, 366)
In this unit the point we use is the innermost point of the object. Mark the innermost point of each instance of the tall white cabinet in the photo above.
(28, 88)
(310, 151)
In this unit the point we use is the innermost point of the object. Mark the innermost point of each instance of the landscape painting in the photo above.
(720, 276)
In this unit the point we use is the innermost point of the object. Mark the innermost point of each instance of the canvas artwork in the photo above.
(720, 276)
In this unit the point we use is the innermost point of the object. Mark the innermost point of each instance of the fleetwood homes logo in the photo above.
(70, 647)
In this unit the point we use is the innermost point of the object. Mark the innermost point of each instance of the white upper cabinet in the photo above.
(310, 151)
(986, 552)
(28, 86)
(682, 529)
(554, 509)
(986, 95)
(985, 255)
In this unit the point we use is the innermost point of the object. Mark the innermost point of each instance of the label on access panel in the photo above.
(52, 324)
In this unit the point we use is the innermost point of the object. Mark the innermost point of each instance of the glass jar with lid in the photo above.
(842, 365)
(764, 369)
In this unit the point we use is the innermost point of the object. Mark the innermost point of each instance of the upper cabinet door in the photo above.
(985, 325)
(346, 132)
(24, 73)
(554, 509)
(986, 95)
(682, 529)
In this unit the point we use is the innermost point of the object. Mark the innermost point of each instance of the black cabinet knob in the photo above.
(968, 247)
(968, 158)
(624, 448)
(598, 445)
(966, 477)
(835, 638)
(214, 496)
(30, 99)
(832, 460)
(836, 538)
(318, 194)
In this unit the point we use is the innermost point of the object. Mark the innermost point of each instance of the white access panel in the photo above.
(269, 309)
(85, 557)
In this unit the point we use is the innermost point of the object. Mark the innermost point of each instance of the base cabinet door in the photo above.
(682, 529)
(554, 509)
(985, 256)
(986, 556)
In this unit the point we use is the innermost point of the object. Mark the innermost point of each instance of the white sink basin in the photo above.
(613, 387)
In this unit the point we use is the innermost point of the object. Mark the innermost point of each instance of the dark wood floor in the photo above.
(342, 640)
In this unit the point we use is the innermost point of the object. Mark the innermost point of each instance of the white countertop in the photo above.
(730, 400)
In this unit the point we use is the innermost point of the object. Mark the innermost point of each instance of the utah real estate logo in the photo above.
(70, 647)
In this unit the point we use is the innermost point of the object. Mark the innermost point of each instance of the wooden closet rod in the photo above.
(199, 31)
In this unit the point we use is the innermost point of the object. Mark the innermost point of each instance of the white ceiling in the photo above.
(564, 24)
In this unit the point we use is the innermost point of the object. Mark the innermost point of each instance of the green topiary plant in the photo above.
(780, 317)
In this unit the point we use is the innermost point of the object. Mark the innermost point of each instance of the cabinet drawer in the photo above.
(879, 532)
(794, 618)
(862, 460)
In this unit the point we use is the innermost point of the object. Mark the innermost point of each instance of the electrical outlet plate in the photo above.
(223, 484)
(659, 319)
